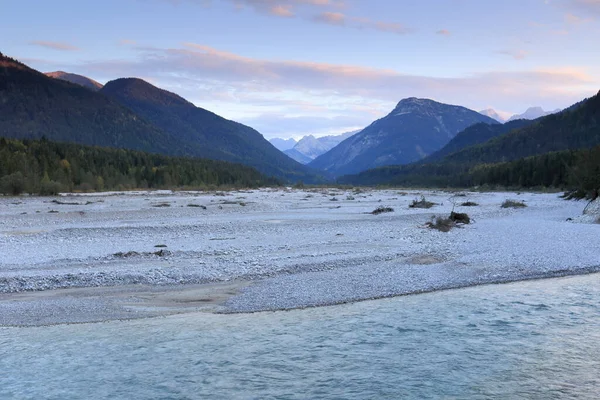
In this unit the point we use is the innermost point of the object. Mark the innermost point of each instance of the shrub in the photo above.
(381, 210)
(421, 203)
(441, 224)
(469, 204)
(50, 188)
(13, 184)
(86, 187)
(513, 204)
(460, 218)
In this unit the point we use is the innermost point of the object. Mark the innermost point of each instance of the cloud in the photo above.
(332, 18)
(516, 54)
(54, 45)
(279, 8)
(282, 125)
(329, 13)
(127, 42)
(282, 11)
(586, 6)
(207, 64)
(254, 91)
(575, 20)
(339, 19)
(443, 32)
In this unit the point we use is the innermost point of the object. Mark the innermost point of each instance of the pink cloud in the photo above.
(443, 32)
(54, 45)
(337, 18)
(333, 18)
(588, 6)
(334, 95)
(516, 54)
(127, 42)
(575, 20)
(285, 8)
(282, 11)
(210, 67)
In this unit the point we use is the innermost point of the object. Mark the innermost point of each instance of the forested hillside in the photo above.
(41, 166)
(202, 133)
(33, 105)
(476, 134)
(130, 114)
(575, 128)
(569, 169)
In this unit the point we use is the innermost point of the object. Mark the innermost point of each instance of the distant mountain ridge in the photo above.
(76, 79)
(532, 113)
(283, 144)
(490, 112)
(413, 130)
(309, 147)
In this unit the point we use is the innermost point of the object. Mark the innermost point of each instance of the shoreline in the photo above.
(160, 302)
(557, 275)
(115, 303)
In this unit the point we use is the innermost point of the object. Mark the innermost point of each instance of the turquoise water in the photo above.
(534, 340)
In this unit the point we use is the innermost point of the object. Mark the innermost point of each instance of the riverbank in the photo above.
(89, 258)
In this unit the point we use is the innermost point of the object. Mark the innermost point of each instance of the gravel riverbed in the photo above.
(88, 258)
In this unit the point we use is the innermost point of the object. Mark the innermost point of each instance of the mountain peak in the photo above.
(140, 90)
(532, 113)
(76, 79)
(412, 104)
(283, 144)
(414, 101)
(8, 62)
(413, 130)
(535, 109)
(490, 112)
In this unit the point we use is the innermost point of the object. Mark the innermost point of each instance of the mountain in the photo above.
(543, 152)
(532, 113)
(310, 147)
(283, 144)
(76, 79)
(490, 112)
(130, 114)
(413, 130)
(201, 133)
(476, 134)
(574, 128)
(297, 156)
(33, 106)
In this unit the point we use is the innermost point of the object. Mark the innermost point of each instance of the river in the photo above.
(536, 339)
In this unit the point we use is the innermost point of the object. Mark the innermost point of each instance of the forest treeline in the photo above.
(46, 167)
(573, 170)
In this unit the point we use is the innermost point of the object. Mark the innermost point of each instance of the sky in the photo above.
(290, 68)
